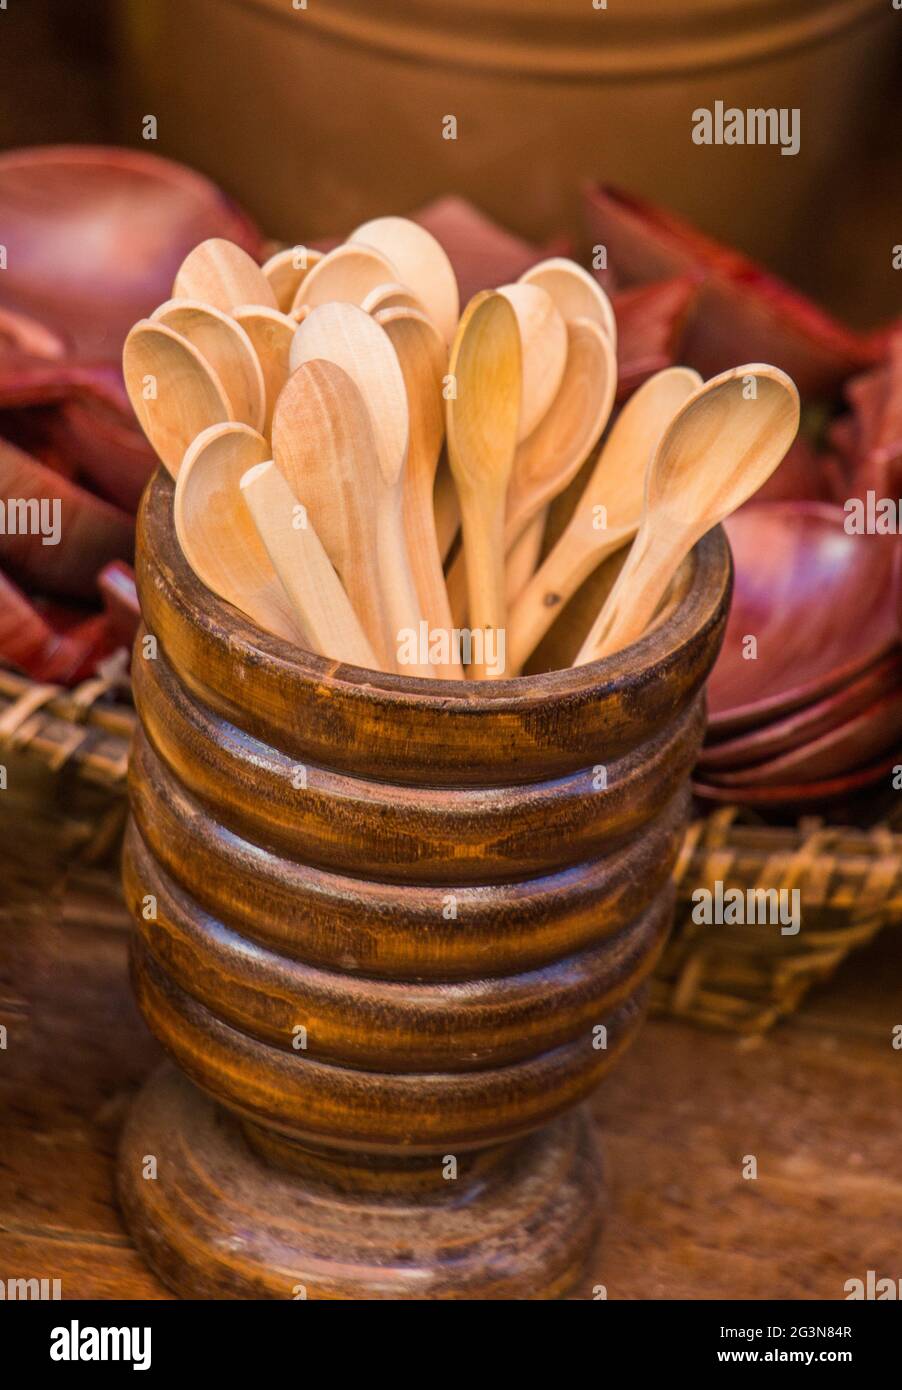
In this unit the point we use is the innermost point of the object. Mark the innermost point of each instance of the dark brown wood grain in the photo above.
(454, 906)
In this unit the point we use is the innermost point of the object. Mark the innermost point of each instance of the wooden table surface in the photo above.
(816, 1102)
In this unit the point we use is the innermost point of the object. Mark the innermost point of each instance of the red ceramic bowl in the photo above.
(818, 601)
(844, 749)
(805, 725)
(94, 236)
(834, 794)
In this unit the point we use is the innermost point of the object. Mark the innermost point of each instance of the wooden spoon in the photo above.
(286, 271)
(346, 275)
(323, 608)
(228, 349)
(271, 335)
(217, 534)
(607, 514)
(719, 448)
(543, 347)
(576, 293)
(391, 297)
(344, 335)
(446, 506)
(482, 423)
(423, 357)
(422, 265)
(554, 453)
(324, 445)
(220, 273)
(173, 390)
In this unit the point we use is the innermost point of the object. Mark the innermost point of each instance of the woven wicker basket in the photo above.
(66, 759)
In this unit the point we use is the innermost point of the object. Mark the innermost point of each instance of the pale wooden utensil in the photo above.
(446, 506)
(554, 453)
(551, 455)
(345, 335)
(391, 297)
(285, 272)
(220, 273)
(607, 514)
(543, 350)
(323, 608)
(221, 340)
(174, 391)
(270, 334)
(482, 422)
(324, 445)
(346, 275)
(422, 265)
(576, 293)
(423, 358)
(217, 535)
(719, 448)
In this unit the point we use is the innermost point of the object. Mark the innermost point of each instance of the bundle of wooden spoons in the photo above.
(365, 470)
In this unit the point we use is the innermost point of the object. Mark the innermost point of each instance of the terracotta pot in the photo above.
(433, 880)
(334, 113)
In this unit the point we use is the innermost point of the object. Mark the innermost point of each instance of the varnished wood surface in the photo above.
(817, 1101)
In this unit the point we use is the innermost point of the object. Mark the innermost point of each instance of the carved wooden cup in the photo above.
(391, 933)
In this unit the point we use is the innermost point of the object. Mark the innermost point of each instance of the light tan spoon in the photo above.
(446, 506)
(222, 341)
(719, 448)
(576, 293)
(482, 423)
(173, 390)
(216, 532)
(391, 297)
(422, 265)
(285, 272)
(346, 275)
(543, 347)
(323, 608)
(220, 273)
(554, 453)
(546, 461)
(423, 357)
(345, 335)
(270, 334)
(607, 514)
(324, 445)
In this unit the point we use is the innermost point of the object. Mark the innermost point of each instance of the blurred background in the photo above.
(316, 118)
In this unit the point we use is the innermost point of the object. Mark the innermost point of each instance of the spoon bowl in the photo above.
(174, 391)
(217, 534)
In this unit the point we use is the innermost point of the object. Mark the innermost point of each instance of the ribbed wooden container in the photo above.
(434, 883)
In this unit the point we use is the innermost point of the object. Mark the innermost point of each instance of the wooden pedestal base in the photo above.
(218, 1221)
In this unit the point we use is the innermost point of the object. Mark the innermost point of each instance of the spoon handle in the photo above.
(575, 556)
(523, 556)
(426, 564)
(483, 527)
(399, 595)
(638, 589)
(323, 608)
(447, 507)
